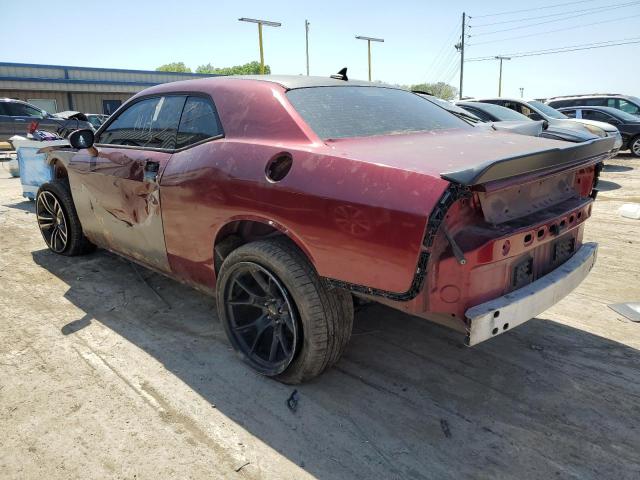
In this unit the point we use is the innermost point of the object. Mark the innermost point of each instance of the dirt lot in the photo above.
(110, 371)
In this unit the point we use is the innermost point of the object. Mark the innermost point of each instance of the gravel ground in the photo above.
(111, 371)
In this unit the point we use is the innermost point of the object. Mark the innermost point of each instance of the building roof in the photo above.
(28, 76)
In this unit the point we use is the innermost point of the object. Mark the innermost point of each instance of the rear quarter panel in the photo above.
(357, 222)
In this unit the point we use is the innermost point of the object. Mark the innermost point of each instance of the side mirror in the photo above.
(82, 139)
(545, 124)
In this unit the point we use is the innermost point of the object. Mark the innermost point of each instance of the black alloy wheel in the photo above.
(52, 221)
(263, 324)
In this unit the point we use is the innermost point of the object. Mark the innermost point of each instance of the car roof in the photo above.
(611, 110)
(291, 82)
(586, 95)
(520, 100)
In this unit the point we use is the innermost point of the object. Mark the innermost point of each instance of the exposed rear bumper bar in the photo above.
(501, 314)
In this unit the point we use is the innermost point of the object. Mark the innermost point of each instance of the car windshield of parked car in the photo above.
(350, 111)
(624, 116)
(502, 113)
(95, 120)
(546, 109)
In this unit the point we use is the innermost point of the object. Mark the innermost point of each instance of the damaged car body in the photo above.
(285, 197)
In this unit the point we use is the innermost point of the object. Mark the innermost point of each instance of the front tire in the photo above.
(278, 314)
(59, 222)
(634, 146)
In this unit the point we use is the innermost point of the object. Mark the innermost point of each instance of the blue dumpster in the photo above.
(34, 170)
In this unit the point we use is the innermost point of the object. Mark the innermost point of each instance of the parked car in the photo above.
(536, 110)
(96, 119)
(626, 103)
(627, 124)
(520, 126)
(573, 132)
(16, 117)
(286, 196)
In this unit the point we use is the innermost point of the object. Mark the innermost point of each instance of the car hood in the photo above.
(571, 123)
(436, 153)
(523, 127)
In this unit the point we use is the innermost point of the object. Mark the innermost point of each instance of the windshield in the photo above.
(95, 120)
(345, 112)
(546, 109)
(627, 117)
(501, 113)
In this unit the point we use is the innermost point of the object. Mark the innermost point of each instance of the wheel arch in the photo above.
(59, 169)
(238, 231)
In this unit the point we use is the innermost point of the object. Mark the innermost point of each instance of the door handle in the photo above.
(151, 170)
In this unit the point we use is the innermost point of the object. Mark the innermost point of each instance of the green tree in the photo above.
(179, 67)
(439, 89)
(251, 68)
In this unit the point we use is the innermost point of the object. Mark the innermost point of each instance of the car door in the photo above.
(116, 192)
(7, 129)
(24, 114)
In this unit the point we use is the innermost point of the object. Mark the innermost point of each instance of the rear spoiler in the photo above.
(553, 158)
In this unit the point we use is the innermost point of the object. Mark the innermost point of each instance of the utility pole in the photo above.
(260, 23)
(306, 32)
(464, 21)
(521, 92)
(500, 77)
(369, 40)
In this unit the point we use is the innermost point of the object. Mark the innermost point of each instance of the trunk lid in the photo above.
(471, 157)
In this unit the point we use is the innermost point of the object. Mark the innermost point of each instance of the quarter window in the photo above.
(199, 122)
(151, 123)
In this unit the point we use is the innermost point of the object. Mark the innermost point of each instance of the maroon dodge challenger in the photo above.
(288, 197)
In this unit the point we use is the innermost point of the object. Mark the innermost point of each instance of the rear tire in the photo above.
(262, 278)
(634, 146)
(59, 222)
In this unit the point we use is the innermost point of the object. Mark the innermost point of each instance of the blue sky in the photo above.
(143, 35)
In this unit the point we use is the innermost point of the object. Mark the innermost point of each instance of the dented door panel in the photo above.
(118, 208)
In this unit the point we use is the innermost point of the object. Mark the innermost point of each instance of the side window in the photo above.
(152, 122)
(569, 113)
(595, 102)
(595, 115)
(523, 110)
(3, 108)
(22, 110)
(628, 107)
(199, 122)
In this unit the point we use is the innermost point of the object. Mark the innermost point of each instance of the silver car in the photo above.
(16, 117)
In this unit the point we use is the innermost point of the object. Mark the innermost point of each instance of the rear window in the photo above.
(343, 112)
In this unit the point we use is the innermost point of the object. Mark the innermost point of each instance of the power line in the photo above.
(572, 48)
(604, 8)
(443, 72)
(530, 9)
(568, 16)
(439, 58)
(557, 30)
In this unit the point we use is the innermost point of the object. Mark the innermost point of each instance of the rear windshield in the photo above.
(343, 112)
